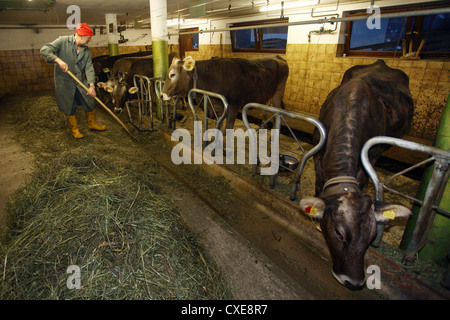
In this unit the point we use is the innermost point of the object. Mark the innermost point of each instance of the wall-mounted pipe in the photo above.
(322, 30)
(323, 21)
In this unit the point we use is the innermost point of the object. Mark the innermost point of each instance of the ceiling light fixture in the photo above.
(174, 22)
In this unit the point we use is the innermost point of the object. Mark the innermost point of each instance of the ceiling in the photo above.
(93, 11)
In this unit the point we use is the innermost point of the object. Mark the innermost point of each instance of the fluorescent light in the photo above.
(174, 22)
(288, 6)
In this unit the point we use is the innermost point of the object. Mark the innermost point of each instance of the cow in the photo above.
(103, 66)
(372, 100)
(123, 65)
(124, 87)
(239, 80)
(121, 87)
(106, 63)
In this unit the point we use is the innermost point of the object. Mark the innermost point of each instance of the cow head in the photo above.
(109, 85)
(178, 80)
(120, 95)
(348, 222)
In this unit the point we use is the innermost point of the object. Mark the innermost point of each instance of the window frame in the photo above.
(258, 34)
(416, 34)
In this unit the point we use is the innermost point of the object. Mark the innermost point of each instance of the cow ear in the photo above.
(109, 89)
(313, 207)
(386, 212)
(188, 63)
(133, 90)
(101, 84)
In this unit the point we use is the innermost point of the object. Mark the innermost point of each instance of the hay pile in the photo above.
(38, 114)
(111, 220)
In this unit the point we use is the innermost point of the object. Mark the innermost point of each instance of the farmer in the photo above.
(71, 53)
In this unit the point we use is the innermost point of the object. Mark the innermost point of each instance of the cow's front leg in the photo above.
(231, 117)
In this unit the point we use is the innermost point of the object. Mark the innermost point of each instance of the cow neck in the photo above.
(194, 82)
(339, 185)
(194, 78)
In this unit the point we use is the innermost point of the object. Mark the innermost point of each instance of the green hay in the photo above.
(109, 218)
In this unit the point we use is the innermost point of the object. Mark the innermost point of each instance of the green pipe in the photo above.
(438, 245)
(160, 66)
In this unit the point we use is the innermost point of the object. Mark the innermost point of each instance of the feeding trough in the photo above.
(288, 162)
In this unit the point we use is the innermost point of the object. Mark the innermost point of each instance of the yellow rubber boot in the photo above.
(74, 127)
(92, 121)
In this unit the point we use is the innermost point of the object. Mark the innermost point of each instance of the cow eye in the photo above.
(172, 75)
(339, 235)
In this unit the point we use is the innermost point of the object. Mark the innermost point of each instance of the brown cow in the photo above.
(239, 80)
(372, 100)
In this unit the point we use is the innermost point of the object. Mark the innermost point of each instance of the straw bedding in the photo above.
(110, 219)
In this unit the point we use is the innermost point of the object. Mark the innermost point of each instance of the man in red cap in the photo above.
(72, 53)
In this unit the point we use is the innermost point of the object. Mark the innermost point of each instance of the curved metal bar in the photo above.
(294, 115)
(435, 152)
(145, 100)
(442, 161)
(208, 94)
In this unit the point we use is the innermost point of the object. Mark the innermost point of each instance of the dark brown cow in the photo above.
(105, 62)
(239, 80)
(372, 100)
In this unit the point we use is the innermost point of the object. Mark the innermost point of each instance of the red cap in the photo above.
(83, 29)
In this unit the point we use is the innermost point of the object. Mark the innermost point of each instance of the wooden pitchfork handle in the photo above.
(99, 101)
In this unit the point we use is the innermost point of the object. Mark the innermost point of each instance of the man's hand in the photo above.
(91, 92)
(64, 67)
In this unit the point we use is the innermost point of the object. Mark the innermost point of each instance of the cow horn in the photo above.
(106, 70)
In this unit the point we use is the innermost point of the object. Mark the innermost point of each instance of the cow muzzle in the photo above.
(349, 282)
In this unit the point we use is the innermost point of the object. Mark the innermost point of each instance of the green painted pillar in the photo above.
(438, 245)
(113, 49)
(439, 240)
(160, 43)
(111, 27)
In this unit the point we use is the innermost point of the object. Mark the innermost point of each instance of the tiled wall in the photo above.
(25, 70)
(315, 70)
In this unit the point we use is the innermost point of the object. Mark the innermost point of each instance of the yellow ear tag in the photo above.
(313, 211)
(390, 214)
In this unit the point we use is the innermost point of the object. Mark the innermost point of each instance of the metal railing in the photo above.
(279, 115)
(433, 193)
(145, 102)
(207, 103)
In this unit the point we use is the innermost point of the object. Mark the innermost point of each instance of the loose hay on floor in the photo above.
(111, 222)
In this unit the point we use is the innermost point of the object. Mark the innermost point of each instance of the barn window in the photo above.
(389, 38)
(188, 42)
(270, 39)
